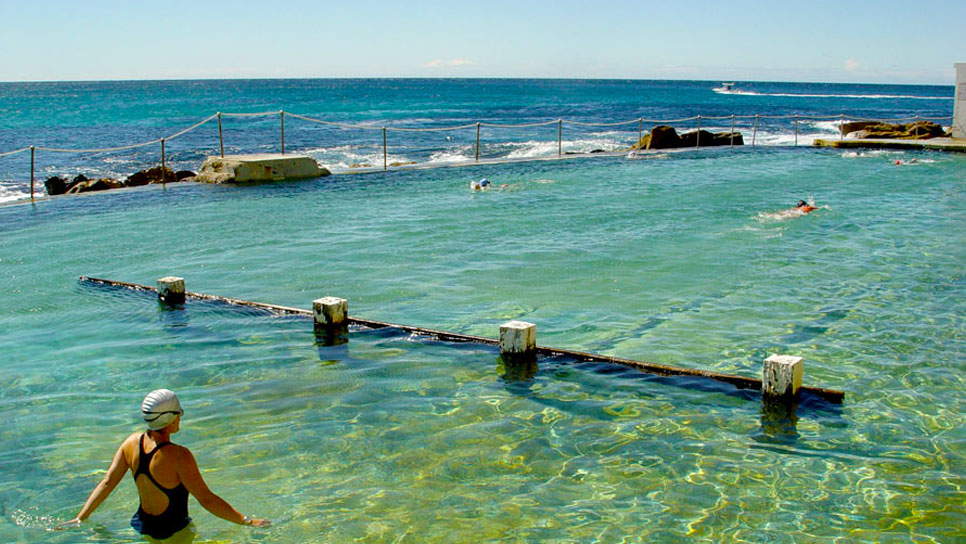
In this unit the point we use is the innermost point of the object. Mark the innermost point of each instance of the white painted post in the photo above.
(959, 106)
(782, 376)
(330, 312)
(171, 290)
(518, 338)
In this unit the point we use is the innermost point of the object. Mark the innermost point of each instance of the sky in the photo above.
(886, 41)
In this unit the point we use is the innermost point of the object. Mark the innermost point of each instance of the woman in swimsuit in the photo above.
(164, 474)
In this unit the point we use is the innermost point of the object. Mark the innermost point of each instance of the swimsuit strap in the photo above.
(144, 464)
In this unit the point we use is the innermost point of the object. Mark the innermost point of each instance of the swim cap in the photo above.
(160, 408)
(484, 182)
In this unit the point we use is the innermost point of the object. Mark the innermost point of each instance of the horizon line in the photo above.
(295, 78)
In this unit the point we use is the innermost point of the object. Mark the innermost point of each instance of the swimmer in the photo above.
(164, 474)
(481, 185)
(804, 207)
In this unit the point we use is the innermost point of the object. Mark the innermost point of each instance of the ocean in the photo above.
(685, 259)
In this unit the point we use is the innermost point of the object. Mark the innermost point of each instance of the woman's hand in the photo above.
(256, 522)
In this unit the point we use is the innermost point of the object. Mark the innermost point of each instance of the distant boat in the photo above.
(725, 88)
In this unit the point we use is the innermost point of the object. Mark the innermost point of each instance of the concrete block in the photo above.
(330, 312)
(171, 290)
(518, 338)
(782, 375)
(261, 167)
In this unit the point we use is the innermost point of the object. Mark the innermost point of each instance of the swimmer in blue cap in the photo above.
(484, 183)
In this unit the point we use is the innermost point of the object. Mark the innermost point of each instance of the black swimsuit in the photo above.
(175, 516)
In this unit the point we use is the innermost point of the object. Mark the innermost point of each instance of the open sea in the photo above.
(680, 258)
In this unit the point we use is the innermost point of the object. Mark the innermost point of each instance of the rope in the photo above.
(8, 153)
(583, 124)
(459, 127)
(333, 123)
(192, 127)
(259, 114)
(525, 125)
(102, 150)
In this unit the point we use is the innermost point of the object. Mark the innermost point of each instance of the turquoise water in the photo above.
(679, 259)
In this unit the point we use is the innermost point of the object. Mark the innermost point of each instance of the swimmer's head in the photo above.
(160, 408)
(484, 182)
(801, 204)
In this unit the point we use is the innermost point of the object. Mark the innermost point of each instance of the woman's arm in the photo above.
(195, 483)
(119, 466)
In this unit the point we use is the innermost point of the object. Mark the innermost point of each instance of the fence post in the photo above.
(916, 124)
(477, 141)
(163, 161)
(559, 137)
(31, 172)
(221, 139)
(640, 130)
(754, 133)
(796, 129)
(732, 144)
(281, 115)
(697, 142)
(385, 152)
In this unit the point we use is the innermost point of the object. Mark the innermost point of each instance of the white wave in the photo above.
(14, 193)
(812, 95)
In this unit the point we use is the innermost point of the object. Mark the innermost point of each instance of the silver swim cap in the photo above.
(160, 408)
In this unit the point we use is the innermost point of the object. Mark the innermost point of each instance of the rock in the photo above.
(55, 185)
(855, 126)
(266, 167)
(151, 175)
(78, 180)
(182, 175)
(100, 184)
(360, 165)
(401, 163)
(663, 137)
(920, 130)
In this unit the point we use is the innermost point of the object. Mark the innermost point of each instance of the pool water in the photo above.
(677, 259)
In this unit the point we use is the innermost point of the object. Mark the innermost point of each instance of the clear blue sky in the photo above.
(886, 41)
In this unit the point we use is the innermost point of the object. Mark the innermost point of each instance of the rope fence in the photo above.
(385, 129)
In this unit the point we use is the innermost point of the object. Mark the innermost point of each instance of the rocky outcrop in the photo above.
(157, 174)
(55, 185)
(89, 185)
(666, 137)
(920, 130)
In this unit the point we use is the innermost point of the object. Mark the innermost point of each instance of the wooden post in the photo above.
(842, 127)
(732, 130)
(31, 172)
(697, 142)
(796, 129)
(640, 130)
(281, 116)
(385, 152)
(916, 124)
(163, 161)
(782, 376)
(171, 290)
(221, 139)
(754, 133)
(559, 137)
(477, 142)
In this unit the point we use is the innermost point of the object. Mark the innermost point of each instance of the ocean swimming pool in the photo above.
(673, 259)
